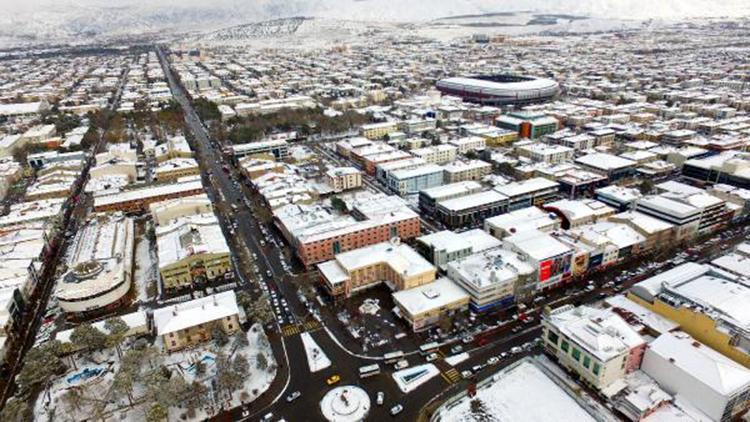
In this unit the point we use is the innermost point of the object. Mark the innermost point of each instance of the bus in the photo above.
(369, 370)
(428, 348)
(393, 356)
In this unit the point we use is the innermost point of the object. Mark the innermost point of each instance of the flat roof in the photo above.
(174, 318)
(538, 245)
(604, 161)
(430, 296)
(472, 200)
(525, 187)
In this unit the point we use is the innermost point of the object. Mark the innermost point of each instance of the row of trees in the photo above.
(304, 121)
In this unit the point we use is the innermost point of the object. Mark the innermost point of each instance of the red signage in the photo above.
(545, 270)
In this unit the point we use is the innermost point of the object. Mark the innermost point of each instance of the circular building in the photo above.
(500, 89)
(347, 403)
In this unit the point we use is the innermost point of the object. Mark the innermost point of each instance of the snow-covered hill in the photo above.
(61, 20)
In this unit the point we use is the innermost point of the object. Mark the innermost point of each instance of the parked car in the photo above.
(457, 349)
(395, 410)
(431, 357)
(380, 398)
(466, 374)
(516, 350)
(493, 361)
(476, 368)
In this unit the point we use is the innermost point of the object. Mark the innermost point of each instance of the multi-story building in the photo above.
(493, 278)
(685, 217)
(415, 126)
(550, 259)
(190, 323)
(575, 213)
(166, 211)
(191, 251)
(383, 169)
(278, 148)
(428, 198)
(706, 302)
(470, 209)
(709, 382)
(731, 168)
(528, 124)
(714, 211)
(612, 166)
(370, 162)
(393, 263)
(525, 193)
(493, 136)
(426, 305)
(318, 235)
(10, 173)
(619, 197)
(100, 266)
(138, 200)
(408, 182)
(437, 154)
(378, 130)
(520, 220)
(468, 143)
(176, 168)
(596, 344)
(656, 232)
(345, 147)
(543, 153)
(459, 171)
(343, 178)
(445, 246)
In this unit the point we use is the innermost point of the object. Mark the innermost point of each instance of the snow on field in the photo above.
(410, 378)
(316, 358)
(94, 372)
(456, 359)
(522, 392)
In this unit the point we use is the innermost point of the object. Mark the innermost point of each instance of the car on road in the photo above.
(467, 374)
(493, 360)
(403, 363)
(395, 410)
(468, 339)
(268, 273)
(515, 350)
(292, 397)
(333, 379)
(457, 349)
(267, 417)
(380, 398)
(476, 368)
(431, 357)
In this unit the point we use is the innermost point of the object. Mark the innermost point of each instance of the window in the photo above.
(552, 337)
(597, 368)
(394, 231)
(586, 362)
(564, 346)
(576, 354)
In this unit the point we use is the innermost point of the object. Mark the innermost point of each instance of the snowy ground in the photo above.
(507, 398)
(316, 358)
(51, 406)
(145, 270)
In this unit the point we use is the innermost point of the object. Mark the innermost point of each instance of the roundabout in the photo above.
(345, 403)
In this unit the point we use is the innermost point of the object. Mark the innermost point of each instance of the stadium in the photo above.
(500, 89)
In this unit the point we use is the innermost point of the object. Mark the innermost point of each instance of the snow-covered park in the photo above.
(140, 382)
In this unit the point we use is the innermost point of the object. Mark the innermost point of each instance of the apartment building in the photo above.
(343, 178)
(437, 154)
(408, 182)
(525, 193)
(543, 153)
(470, 209)
(460, 171)
(428, 198)
(378, 130)
(468, 143)
(138, 200)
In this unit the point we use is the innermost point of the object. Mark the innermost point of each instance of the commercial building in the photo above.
(493, 278)
(426, 305)
(656, 232)
(191, 251)
(393, 263)
(550, 258)
(575, 213)
(520, 220)
(190, 323)
(428, 198)
(528, 124)
(612, 166)
(378, 130)
(621, 198)
(343, 178)
(437, 154)
(714, 385)
(471, 209)
(714, 211)
(731, 168)
(685, 217)
(409, 182)
(138, 200)
(445, 246)
(176, 168)
(167, 211)
(278, 148)
(596, 344)
(459, 171)
(525, 193)
(708, 303)
(100, 266)
(318, 235)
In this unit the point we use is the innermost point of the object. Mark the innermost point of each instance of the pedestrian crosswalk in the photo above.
(290, 330)
(311, 325)
(451, 376)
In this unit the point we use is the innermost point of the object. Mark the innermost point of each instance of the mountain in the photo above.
(62, 20)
